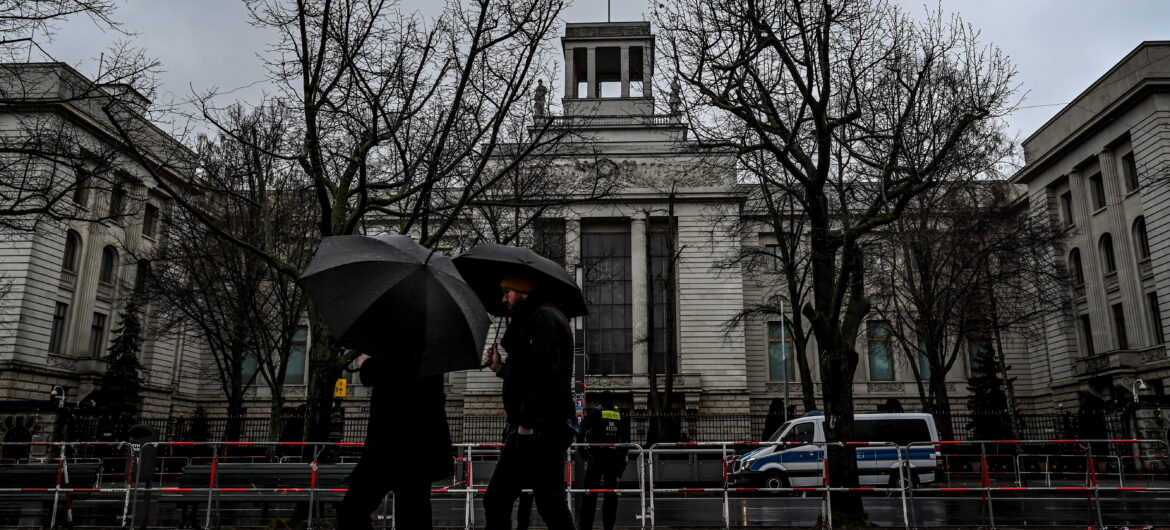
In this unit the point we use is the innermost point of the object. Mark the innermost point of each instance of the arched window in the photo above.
(109, 262)
(1142, 240)
(1107, 257)
(72, 250)
(1075, 268)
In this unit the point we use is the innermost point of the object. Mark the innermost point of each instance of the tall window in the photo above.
(1107, 258)
(141, 276)
(1087, 335)
(57, 335)
(109, 263)
(150, 220)
(609, 326)
(97, 335)
(660, 274)
(549, 239)
(81, 187)
(117, 200)
(1097, 186)
(1075, 268)
(923, 360)
(979, 352)
(881, 359)
(780, 352)
(72, 250)
(1155, 317)
(1129, 170)
(1141, 238)
(295, 371)
(1119, 325)
(1066, 208)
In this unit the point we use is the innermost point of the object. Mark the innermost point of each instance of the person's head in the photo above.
(606, 400)
(515, 290)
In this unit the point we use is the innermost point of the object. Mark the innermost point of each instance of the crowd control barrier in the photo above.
(60, 475)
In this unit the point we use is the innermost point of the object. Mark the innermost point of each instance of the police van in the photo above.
(799, 466)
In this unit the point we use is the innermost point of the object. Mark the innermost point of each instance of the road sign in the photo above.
(340, 388)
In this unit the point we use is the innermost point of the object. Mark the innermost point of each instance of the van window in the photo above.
(801, 433)
(779, 431)
(899, 431)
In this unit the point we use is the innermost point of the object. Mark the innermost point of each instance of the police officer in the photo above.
(603, 465)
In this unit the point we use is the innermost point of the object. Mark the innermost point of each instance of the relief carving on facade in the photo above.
(63, 362)
(885, 387)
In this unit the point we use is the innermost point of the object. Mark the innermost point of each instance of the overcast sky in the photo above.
(1058, 46)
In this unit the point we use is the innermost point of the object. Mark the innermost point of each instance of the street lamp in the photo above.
(1138, 384)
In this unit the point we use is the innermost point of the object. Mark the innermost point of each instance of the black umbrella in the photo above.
(388, 295)
(485, 265)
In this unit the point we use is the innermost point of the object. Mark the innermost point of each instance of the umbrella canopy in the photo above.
(485, 265)
(388, 295)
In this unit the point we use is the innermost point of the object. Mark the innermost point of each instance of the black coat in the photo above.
(538, 374)
(408, 430)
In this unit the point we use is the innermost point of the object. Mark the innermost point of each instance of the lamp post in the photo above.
(1138, 384)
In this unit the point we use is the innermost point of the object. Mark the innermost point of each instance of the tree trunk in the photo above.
(324, 369)
(235, 415)
(941, 404)
(837, 368)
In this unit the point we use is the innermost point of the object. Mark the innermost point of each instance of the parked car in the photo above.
(788, 466)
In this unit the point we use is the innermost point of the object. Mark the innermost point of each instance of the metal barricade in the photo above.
(63, 483)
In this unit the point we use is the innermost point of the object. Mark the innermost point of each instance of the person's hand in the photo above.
(524, 430)
(491, 358)
(357, 363)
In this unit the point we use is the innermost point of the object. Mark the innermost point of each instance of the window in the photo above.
(1086, 335)
(881, 361)
(117, 200)
(72, 249)
(979, 352)
(1075, 268)
(109, 262)
(1108, 260)
(294, 373)
(141, 276)
(1155, 317)
(660, 273)
(609, 326)
(780, 352)
(1066, 208)
(549, 239)
(150, 220)
(97, 335)
(1141, 238)
(1129, 171)
(801, 433)
(771, 259)
(1097, 187)
(57, 335)
(1119, 325)
(81, 187)
(923, 360)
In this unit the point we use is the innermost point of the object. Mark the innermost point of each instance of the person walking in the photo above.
(408, 445)
(537, 396)
(603, 465)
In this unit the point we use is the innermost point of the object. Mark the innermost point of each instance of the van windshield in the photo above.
(799, 433)
(776, 435)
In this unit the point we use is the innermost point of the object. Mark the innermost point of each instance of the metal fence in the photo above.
(681, 427)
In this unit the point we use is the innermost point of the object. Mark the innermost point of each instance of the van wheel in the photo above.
(910, 477)
(775, 479)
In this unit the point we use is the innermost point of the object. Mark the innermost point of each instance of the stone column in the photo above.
(639, 261)
(1137, 319)
(625, 71)
(570, 75)
(647, 74)
(1086, 240)
(591, 64)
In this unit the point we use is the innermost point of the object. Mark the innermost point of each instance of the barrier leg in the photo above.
(650, 466)
(57, 487)
(828, 489)
(986, 482)
(468, 504)
(313, 486)
(642, 484)
(726, 497)
(1095, 492)
(130, 505)
(211, 485)
(903, 469)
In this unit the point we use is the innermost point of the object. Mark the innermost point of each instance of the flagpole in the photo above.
(783, 336)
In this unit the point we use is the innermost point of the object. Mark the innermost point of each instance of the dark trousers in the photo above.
(369, 483)
(534, 461)
(602, 470)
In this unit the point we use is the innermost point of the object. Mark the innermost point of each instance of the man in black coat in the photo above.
(408, 445)
(539, 403)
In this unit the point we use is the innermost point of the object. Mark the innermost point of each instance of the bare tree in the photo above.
(941, 274)
(49, 165)
(864, 108)
(402, 124)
